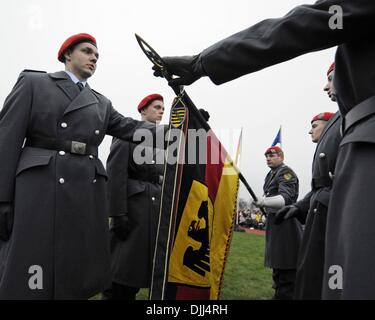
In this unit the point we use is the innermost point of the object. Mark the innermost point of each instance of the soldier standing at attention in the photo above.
(54, 239)
(313, 208)
(282, 241)
(134, 198)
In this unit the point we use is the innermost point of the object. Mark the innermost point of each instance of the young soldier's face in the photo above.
(153, 112)
(82, 60)
(316, 130)
(274, 159)
(329, 86)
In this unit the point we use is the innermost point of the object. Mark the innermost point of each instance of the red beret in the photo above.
(274, 149)
(325, 116)
(147, 100)
(77, 38)
(331, 68)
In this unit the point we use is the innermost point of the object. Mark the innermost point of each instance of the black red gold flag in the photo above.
(197, 212)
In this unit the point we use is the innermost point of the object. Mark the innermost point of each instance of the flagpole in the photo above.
(239, 148)
(238, 152)
(161, 265)
(281, 137)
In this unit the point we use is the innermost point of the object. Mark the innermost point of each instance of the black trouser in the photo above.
(120, 292)
(283, 283)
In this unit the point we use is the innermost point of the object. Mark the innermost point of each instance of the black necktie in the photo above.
(80, 86)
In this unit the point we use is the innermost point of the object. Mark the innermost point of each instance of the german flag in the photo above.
(197, 213)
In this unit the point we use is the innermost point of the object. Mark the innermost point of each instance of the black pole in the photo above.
(247, 186)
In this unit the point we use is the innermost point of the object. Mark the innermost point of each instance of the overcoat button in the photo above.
(91, 156)
(97, 132)
(61, 153)
(94, 181)
(61, 181)
(322, 155)
(153, 198)
(64, 125)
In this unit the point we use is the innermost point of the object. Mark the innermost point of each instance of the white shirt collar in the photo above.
(74, 78)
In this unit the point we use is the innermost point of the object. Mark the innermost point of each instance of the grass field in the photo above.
(245, 276)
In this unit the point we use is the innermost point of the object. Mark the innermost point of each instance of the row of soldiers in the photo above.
(53, 186)
(296, 254)
(46, 220)
(349, 237)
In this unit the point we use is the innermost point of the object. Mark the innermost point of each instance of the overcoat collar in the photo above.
(79, 99)
(330, 123)
(271, 176)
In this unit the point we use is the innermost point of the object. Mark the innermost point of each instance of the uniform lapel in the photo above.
(85, 98)
(273, 173)
(267, 181)
(64, 82)
(330, 124)
(79, 99)
(270, 177)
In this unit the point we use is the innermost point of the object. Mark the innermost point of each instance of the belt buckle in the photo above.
(78, 147)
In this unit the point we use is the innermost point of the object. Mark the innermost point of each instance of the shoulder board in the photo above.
(288, 175)
(29, 70)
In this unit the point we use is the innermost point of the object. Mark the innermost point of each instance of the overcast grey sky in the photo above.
(288, 94)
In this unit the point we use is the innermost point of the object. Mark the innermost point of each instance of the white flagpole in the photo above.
(239, 154)
(281, 137)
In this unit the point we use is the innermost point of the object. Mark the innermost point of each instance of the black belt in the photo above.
(360, 111)
(74, 147)
(321, 182)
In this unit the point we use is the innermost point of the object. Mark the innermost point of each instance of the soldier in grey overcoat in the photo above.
(54, 214)
(134, 187)
(312, 209)
(282, 241)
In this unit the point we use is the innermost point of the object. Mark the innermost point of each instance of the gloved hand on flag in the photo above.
(204, 114)
(188, 69)
(259, 203)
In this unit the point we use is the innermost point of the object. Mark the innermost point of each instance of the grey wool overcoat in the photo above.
(60, 202)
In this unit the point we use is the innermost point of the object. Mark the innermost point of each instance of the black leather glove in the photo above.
(188, 68)
(286, 213)
(205, 114)
(121, 226)
(6, 220)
